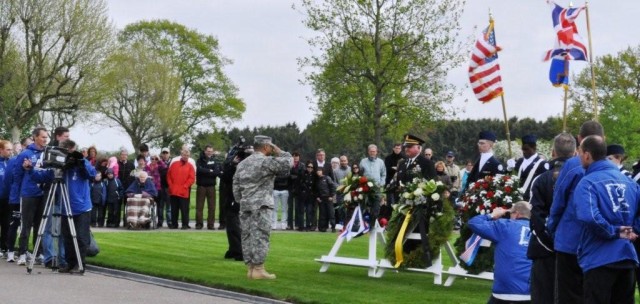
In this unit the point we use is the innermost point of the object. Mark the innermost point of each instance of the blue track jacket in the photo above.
(28, 187)
(512, 268)
(5, 186)
(78, 182)
(13, 188)
(562, 222)
(608, 199)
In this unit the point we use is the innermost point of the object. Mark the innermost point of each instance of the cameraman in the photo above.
(232, 208)
(77, 174)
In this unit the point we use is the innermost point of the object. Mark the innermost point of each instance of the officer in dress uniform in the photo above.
(616, 154)
(528, 167)
(486, 164)
(414, 161)
(416, 165)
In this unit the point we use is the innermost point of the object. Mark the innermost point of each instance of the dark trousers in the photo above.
(180, 204)
(234, 235)
(310, 211)
(290, 206)
(164, 206)
(300, 211)
(568, 282)
(609, 285)
(97, 215)
(13, 227)
(83, 235)
(222, 206)
(208, 193)
(113, 215)
(32, 209)
(326, 216)
(5, 219)
(542, 277)
(493, 300)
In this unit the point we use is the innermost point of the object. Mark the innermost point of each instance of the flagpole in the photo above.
(506, 123)
(564, 115)
(504, 106)
(593, 75)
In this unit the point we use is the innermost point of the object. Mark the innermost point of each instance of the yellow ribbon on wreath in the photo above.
(400, 239)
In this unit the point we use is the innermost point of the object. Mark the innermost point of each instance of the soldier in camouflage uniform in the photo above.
(253, 189)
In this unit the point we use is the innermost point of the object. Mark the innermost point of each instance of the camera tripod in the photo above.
(49, 213)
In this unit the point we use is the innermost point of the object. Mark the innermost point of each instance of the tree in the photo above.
(621, 122)
(206, 95)
(140, 92)
(383, 63)
(49, 50)
(614, 74)
(618, 89)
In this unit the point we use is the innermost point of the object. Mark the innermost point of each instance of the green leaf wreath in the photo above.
(426, 199)
(482, 197)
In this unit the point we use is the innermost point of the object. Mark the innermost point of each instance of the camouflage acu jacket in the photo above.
(253, 181)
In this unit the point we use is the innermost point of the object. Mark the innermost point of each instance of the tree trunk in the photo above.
(15, 134)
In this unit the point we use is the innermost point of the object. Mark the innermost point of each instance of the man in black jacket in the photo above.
(207, 171)
(540, 249)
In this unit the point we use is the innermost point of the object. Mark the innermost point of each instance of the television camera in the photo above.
(61, 158)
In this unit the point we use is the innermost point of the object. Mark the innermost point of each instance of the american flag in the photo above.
(569, 44)
(484, 70)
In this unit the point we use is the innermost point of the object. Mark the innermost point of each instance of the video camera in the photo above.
(60, 158)
(240, 149)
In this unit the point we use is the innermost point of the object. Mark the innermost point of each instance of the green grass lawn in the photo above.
(197, 257)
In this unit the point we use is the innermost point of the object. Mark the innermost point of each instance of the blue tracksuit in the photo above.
(28, 187)
(13, 188)
(608, 200)
(5, 187)
(562, 221)
(512, 267)
(77, 180)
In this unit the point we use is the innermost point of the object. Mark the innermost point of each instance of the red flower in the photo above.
(485, 186)
(477, 185)
(365, 188)
(363, 179)
(507, 190)
(505, 178)
(354, 194)
(493, 206)
(490, 194)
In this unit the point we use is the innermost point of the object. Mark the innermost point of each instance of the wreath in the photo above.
(422, 203)
(486, 194)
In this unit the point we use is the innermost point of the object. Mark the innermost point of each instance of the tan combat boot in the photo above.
(260, 273)
(249, 271)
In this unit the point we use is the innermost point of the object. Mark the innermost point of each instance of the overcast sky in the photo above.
(265, 37)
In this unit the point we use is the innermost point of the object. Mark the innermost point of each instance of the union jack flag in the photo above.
(569, 44)
(484, 70)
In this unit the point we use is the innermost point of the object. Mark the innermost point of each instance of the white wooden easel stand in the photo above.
(376, 267)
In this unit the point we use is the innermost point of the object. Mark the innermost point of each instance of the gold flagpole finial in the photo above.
(490, 15)
(570, 4)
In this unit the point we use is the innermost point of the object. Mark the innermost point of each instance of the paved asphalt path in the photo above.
(105, 286)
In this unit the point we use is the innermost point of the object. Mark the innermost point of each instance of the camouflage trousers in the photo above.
(256, 228)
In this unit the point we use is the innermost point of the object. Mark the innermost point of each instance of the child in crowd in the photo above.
(113, 197)
(326, 190)
(98, 197)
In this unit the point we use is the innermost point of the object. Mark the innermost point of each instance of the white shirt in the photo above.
(484, 157)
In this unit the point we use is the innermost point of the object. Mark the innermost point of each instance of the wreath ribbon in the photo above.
(400, 239)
